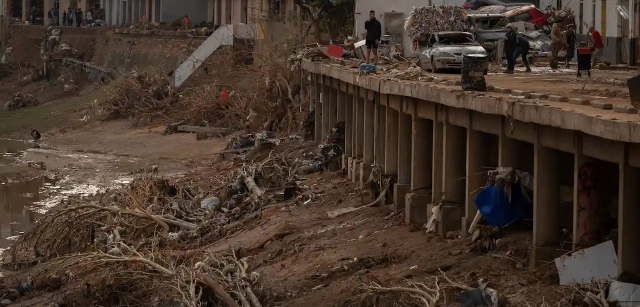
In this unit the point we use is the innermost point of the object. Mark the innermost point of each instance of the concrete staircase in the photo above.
(221, 37)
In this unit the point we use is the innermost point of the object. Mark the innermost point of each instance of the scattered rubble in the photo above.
(428, 19)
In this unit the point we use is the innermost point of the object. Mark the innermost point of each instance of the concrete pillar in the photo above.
(369, 149)
(342, 104)
(47, 5)
(317, 86)
(417, 201)
(628, 217)
(348, 127)
(380, 123)
(580, 217)
(632, 33)
(391, 138)
(359, 115)
(326, 107)
(358, 144)
(506, 151)
(546, 201)
(478, 156)
(454, 173)
(438, 156)
(404, 157)
(26, 10)
(333, 107)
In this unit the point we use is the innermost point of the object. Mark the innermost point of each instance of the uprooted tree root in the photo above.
(411, 293)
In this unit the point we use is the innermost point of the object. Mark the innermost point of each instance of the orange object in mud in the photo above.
(224, 95)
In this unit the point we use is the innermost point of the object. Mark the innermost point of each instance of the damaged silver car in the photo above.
(445, 50)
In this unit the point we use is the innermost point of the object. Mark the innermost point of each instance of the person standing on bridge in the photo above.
(374, 34)
(56, 17)
(597, 45)
(186, 21)
(510, 45)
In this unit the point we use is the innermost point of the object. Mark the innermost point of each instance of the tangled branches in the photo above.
(139, 96)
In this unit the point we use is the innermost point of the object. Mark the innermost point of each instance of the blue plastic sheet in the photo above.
(493, 203)
(367, 68)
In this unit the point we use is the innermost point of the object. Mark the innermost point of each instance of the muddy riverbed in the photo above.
(35, 178)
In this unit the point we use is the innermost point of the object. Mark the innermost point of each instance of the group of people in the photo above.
(70, 17)
(516, 45)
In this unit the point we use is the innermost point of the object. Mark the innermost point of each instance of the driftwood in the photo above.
(219, 291)
(254, 190)
(379, 201)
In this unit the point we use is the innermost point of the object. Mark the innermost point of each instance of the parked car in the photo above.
(487, 29)
(445, 50)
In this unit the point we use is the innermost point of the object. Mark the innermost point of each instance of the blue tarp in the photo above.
(495, 207)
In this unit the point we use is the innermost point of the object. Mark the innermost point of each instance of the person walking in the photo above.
(78, 17)
(186, 21)
(570, 40)
(64, 18)
(56, 16)
(522, 49)
(597, 46)
(70, 15)
(374, 34)
(510, 45)
(50, 16)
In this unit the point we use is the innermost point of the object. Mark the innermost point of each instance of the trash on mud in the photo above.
(20, 101)
(483, 296)
(624, 294)
(598, 263)
(506, 198)
(37, 165)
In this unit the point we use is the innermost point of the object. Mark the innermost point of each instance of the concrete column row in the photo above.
(433, 160)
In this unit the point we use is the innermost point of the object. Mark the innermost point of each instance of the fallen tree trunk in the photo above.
(254, 190)
(219, 291)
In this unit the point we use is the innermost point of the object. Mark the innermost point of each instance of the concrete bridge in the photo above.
(437, 140)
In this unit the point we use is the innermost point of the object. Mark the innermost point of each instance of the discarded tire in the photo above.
(473, 66)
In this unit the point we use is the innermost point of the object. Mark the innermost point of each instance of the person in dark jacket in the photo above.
(522, 49)
(570, 41)
(374, 34)
(510, 45)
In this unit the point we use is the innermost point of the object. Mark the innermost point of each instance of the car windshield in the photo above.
(456, 39)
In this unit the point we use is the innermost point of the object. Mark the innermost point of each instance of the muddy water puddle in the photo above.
(17, 213)
(11, 150)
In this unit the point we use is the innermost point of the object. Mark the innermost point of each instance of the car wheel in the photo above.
(433, 66)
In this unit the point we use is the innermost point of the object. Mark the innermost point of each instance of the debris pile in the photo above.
(428, 19)
(563, 17)
(20, 101)
(139, 95)
(145, 244)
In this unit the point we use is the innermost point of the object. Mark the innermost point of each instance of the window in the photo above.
(581, 17)
(593, 14)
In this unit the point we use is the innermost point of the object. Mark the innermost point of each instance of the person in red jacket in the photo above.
(598, 46)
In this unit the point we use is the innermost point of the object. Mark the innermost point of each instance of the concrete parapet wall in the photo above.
(547, 115)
